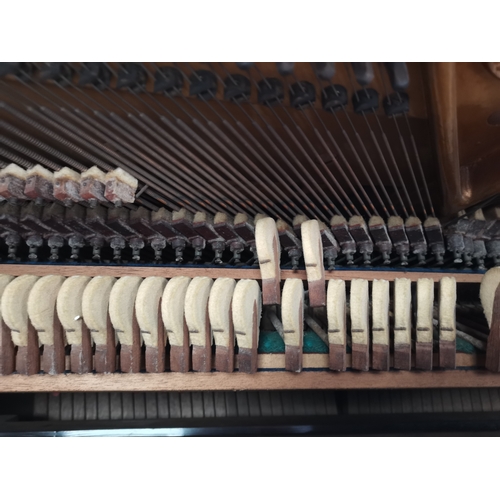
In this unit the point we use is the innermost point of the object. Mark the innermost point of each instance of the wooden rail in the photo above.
(215, 272)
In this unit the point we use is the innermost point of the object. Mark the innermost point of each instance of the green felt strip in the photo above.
(272, 343)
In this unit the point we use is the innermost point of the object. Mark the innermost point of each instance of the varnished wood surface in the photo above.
(279, 379)
(243, 381)
(212, 272)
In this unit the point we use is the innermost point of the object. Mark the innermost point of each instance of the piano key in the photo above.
(128, 405)
(208, 404)
(231, 405)
(197, 404)
(66, 406)
(242, 403)
(276, 404)
(151, 405)
(103, 406)
(91, 406)
(163, 410)
(139, 405)
(115, 405)
(174, 399)
(220, 404)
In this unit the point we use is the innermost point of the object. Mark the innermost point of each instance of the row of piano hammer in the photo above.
(88, 318)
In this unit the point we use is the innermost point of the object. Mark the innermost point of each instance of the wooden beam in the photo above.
(242, 381)
(213, 272)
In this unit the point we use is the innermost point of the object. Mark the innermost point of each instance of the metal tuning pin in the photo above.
(203, 224)
(182, 221)
(289, 242)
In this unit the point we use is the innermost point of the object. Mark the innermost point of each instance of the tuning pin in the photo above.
(398, 74)
(97, 242)
(324, 70)
(285, 68)
(117, 243)
(34, 242)
(76, 243)
(244, 65)
(55, 242)
(158, 244)
(96, 74)
(168, 79)
(12, 241)
(62, 73)
(363, 72)
(203, 84)
(132, 76)
(136, 244)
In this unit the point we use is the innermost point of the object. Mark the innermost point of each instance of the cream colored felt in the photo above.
(425, 307)
(336, 311)
(402, 311)
(375, 220)
(359, 311)
(313, 250)
(40, 171)
(172, 309)
(120, 175)
(431, 221)
(219, 309)
(13, 170)
(268, 248)
(121, 307)
(292, 311)
(395, 221)
(195, 309)
(298, 220)
(478, 214)
(447, 305)
(95, 302)
(337, 220)
(67, 173)
(413, 221)
(147, 308)
(69, 307)
(246, 297)
(5, 279)
(42, 305)
(15, 307)
(94, 173)
(489, 284)
(380, 312)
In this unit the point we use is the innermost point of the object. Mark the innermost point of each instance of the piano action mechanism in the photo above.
(196, 226)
